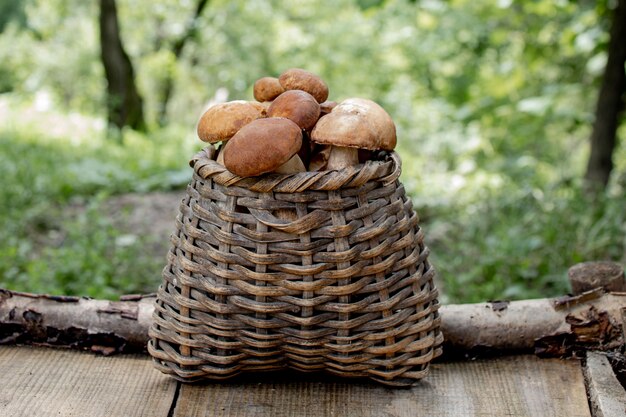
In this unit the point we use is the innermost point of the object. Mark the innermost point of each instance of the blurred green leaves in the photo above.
(493, 103)
(12, 11)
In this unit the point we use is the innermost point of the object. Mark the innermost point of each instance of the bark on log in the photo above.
(550, 327)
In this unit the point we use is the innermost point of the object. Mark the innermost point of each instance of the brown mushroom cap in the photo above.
(221, 121)
(297, 106)
(356, 123)
(262, 146)
(267, 89)
(299, 79)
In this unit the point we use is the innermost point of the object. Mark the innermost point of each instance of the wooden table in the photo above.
(51, 382)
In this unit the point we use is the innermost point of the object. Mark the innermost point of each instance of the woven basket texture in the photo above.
(316, 271)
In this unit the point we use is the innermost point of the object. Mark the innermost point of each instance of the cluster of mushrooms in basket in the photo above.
(292, 127)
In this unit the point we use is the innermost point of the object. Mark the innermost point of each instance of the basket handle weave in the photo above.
(386, 171)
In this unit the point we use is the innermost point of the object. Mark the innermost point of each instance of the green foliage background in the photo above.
(493, 101)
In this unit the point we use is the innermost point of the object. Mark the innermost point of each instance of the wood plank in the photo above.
(51, 382)
(606, 394)
(508, 386)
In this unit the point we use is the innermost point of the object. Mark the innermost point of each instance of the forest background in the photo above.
(496, 104)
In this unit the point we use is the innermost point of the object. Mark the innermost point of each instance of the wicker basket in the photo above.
(346, 288)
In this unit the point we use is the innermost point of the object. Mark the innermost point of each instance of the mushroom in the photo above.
(299, 79)
(267, 89)
(265, 145)
(298, 106)
(354, 124)
(221, 121)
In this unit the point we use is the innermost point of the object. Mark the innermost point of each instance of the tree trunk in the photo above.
(124, 104)
(610, 104)
(552, 327)
(177, 50)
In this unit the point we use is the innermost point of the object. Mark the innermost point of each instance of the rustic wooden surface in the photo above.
(513, 386)
(606, 394)
(47, 382)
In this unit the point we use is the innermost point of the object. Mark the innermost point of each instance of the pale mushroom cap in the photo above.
(297, 106)
(221, 121)
(380, 121)
(299, 79)
(262, 146)
(356, 123)
(267, 89)
(347, 130)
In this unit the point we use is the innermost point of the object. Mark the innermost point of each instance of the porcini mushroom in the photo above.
(299, 79)
(267, 89)
(221, 121)
(298, 106)
(354, 124)
(264, 145)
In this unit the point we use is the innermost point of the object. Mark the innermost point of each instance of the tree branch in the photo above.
(177, 50)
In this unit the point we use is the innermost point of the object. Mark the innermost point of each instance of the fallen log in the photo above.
(550, 327)
(75, 322)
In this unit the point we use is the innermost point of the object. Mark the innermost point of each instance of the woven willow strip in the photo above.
(316, 271)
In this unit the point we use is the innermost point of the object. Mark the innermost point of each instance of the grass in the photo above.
(520, 244)
(54, 236)
(91, 259)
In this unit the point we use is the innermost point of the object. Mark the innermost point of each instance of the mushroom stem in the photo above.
(220, 153)
(342, 157)
(293, 166)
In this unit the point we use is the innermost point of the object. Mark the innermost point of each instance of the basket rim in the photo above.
(386, 171)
